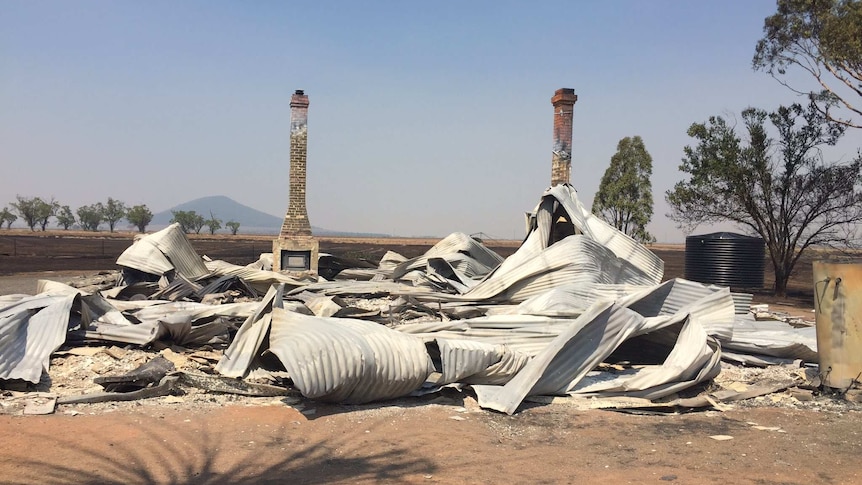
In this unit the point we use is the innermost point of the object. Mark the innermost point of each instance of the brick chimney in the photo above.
(561, 164)
(296, 249)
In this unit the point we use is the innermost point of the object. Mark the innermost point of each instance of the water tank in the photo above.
(726, 259)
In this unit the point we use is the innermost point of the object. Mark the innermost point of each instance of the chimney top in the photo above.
(299, 99)
(564, 96)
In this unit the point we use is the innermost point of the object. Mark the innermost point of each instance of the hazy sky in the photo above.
(425, 117)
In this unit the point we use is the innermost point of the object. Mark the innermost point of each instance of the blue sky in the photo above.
(425, 117)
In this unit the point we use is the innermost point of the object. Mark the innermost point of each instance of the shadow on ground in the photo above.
(157, 451)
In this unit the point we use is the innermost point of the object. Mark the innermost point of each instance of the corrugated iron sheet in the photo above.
(449, 249)
(474, 362)
(31, 329)
(603, 233)
(258, 279)
(346, 360)
(246, 344)
(772, 338)
(162, 251)
(577, 350)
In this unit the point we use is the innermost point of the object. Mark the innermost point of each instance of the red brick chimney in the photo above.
(561, 164)
(296, 249)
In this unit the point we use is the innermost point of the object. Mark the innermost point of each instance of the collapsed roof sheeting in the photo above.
(576, 293)
(772, 338)
(160, 252)
(572, 299)
(362, 288)
(594, 336)
(681, 319)
(574, 260)
(246, 344)
(347, 360)
(712, 305)
(31, 329)
(694, 358)
(258, 279)
(479, 261)
(577, 350)
(603, 233)
(589, 252)
(473, 362)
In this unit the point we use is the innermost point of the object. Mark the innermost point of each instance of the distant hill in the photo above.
(251, 220)
(223, 208)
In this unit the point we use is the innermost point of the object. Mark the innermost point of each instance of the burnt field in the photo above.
(23, 251)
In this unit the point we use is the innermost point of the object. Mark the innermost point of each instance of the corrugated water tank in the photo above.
(726, 259)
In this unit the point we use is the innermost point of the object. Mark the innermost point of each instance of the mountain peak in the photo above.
(224, 208)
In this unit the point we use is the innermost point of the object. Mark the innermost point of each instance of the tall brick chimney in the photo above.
(564, 107)
(296, 220)
(296, 249)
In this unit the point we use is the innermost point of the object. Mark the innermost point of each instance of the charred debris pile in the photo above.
(579, 310)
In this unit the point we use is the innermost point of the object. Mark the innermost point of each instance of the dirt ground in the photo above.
(444, 439)
(410, 442)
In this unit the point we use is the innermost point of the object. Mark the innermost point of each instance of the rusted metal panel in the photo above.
(838, 311)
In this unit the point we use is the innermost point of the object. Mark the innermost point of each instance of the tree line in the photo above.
(37, 212)
(768, 176)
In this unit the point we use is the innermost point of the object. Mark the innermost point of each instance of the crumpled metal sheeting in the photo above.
(258, 279)
(453, 247)
(712, 305)
(606, 235)
(247, 342)
(138, 334)
(358, 274)
(192, 310)
(6, 300)
(568, 300)
(600, 255)
(362, 288)
(346, 360)
(181, 331)
(31, 329)
(100, 320)
(162, 251)
(390, 261)
(527, 334)
(457, 268)
(772, 338)
(695, 357)
(94, 306)
(573, 260)
(473, 362)
(586, 341)
(183, 323)
(596, 334)
(178, 289)
(56, 288)
(439, 277)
